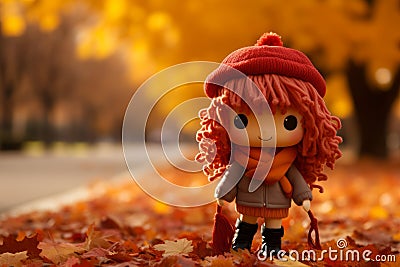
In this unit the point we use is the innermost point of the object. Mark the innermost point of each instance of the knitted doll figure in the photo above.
(305, 137)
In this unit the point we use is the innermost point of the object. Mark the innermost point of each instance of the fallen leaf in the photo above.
(110, 222)
(396, 237)
(116, 252)
(202, 249)
(176, 261)
(220, 261)
(28, 244)
(178, 247)
(131, 246)
(96, 253)
(96, 238)
(13, 259)
(59, 252)
(71, 262)
(244, 258)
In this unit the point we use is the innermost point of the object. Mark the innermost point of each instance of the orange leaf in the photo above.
(221, 261)
(13, 259)
(59, 252)
(29, 244)
(96, 239)
(178, 247)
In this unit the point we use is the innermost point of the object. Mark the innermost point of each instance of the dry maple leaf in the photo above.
(220, 261)
(116, 253)
(178, 247)
(176, 261)
(96, 253)
(100, 255)
(59, 252)
(96, 239)
(71, 262)
(28, 244)
(243, 257)
(10, 259)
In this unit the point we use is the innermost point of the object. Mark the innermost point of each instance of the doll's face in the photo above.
(289, 130)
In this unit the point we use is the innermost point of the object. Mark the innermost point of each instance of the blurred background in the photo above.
(68, 69)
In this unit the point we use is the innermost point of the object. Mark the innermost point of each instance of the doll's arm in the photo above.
(301, 190)
(227, 186)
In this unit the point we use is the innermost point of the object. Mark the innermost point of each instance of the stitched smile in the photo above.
(265, 139)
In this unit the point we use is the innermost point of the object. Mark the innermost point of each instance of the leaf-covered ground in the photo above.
(122, 226)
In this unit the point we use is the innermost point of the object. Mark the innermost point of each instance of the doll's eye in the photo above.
(241, 121)
(290, 123)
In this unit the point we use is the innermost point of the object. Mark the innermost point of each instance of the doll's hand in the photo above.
(306, 205)
(220, 202)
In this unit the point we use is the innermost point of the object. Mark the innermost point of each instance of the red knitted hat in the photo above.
(267, 56)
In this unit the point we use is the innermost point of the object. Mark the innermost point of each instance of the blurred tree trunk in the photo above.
(55, 79)
(7, 108)
(6, 98)
(48, 102)
(372, 107)
(11, 66)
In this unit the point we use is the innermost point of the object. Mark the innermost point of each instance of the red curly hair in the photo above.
(319, 146)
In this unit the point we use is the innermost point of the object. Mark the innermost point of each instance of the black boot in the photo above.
(271, 240)
(244, 234)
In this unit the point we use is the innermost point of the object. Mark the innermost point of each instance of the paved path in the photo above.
(26, 177)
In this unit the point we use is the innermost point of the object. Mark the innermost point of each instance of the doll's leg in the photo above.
(246, 227)
(273, 223)
(248, 219)
(272, 232)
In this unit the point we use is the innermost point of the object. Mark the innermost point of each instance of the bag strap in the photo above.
(315, 244)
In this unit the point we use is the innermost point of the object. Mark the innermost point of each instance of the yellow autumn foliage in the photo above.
(156, 34)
